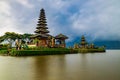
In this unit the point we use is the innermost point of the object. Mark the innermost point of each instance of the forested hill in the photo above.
(107, 44)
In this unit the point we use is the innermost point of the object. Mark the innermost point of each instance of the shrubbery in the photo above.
(45, 51)
(4, 46)
(3, 51)
(91, 50)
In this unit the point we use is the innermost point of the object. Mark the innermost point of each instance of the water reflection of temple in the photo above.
(42, 37)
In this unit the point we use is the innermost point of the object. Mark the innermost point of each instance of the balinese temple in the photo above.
(83, 42)
(43, 36)
(41, 30)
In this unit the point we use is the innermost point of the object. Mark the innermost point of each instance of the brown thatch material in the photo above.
(61, 36)
(42, 31)
(39, 36)
(41, 27)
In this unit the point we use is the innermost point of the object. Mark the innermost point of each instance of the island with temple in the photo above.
(42, 36)
(84, 47)
(43, 43)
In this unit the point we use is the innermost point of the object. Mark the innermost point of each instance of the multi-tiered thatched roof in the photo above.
(41, 29)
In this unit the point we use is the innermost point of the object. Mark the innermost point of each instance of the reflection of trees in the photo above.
(49, 67)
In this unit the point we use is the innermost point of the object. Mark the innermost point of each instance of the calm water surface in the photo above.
(97, 66)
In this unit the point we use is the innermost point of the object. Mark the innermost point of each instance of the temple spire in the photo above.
(83, 41)
(42, 31)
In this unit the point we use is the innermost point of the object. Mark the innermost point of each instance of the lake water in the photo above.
(91, 66)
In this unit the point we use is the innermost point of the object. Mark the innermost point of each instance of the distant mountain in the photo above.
(106, 43)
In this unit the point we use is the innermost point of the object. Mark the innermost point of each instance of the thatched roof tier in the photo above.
(42, 14)
(41, 31)
(41, 27)
(83, 41)
(42, 21)
(61, 36)
(49, 35)
(39, 36)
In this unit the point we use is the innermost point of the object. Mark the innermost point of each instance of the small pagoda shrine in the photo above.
(44, 39)
(83, 42)
(61, 40)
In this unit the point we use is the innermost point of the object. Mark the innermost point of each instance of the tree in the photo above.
(76, 46)
(12, 36)
(1, 39)
(26, 37)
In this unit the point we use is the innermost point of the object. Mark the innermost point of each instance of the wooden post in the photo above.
(53, 42)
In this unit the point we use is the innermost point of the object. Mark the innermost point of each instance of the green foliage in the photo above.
(3, 51)
(4, 46)
(46, 48)
(76, 46)
(25, 47)
(35, 40)
(1, 39)
(12, 36)
(26, 35)
(84, 50)
(45, 51)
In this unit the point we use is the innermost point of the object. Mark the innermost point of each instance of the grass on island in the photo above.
(83, 50)
(38, 51)
(47, 51)
(2, 52)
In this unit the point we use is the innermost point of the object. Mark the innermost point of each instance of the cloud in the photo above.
(98, 18)
(7, 21)
(25, 3)
(5, 9)
(14, 17)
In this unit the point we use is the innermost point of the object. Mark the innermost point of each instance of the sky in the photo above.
(96, 19)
